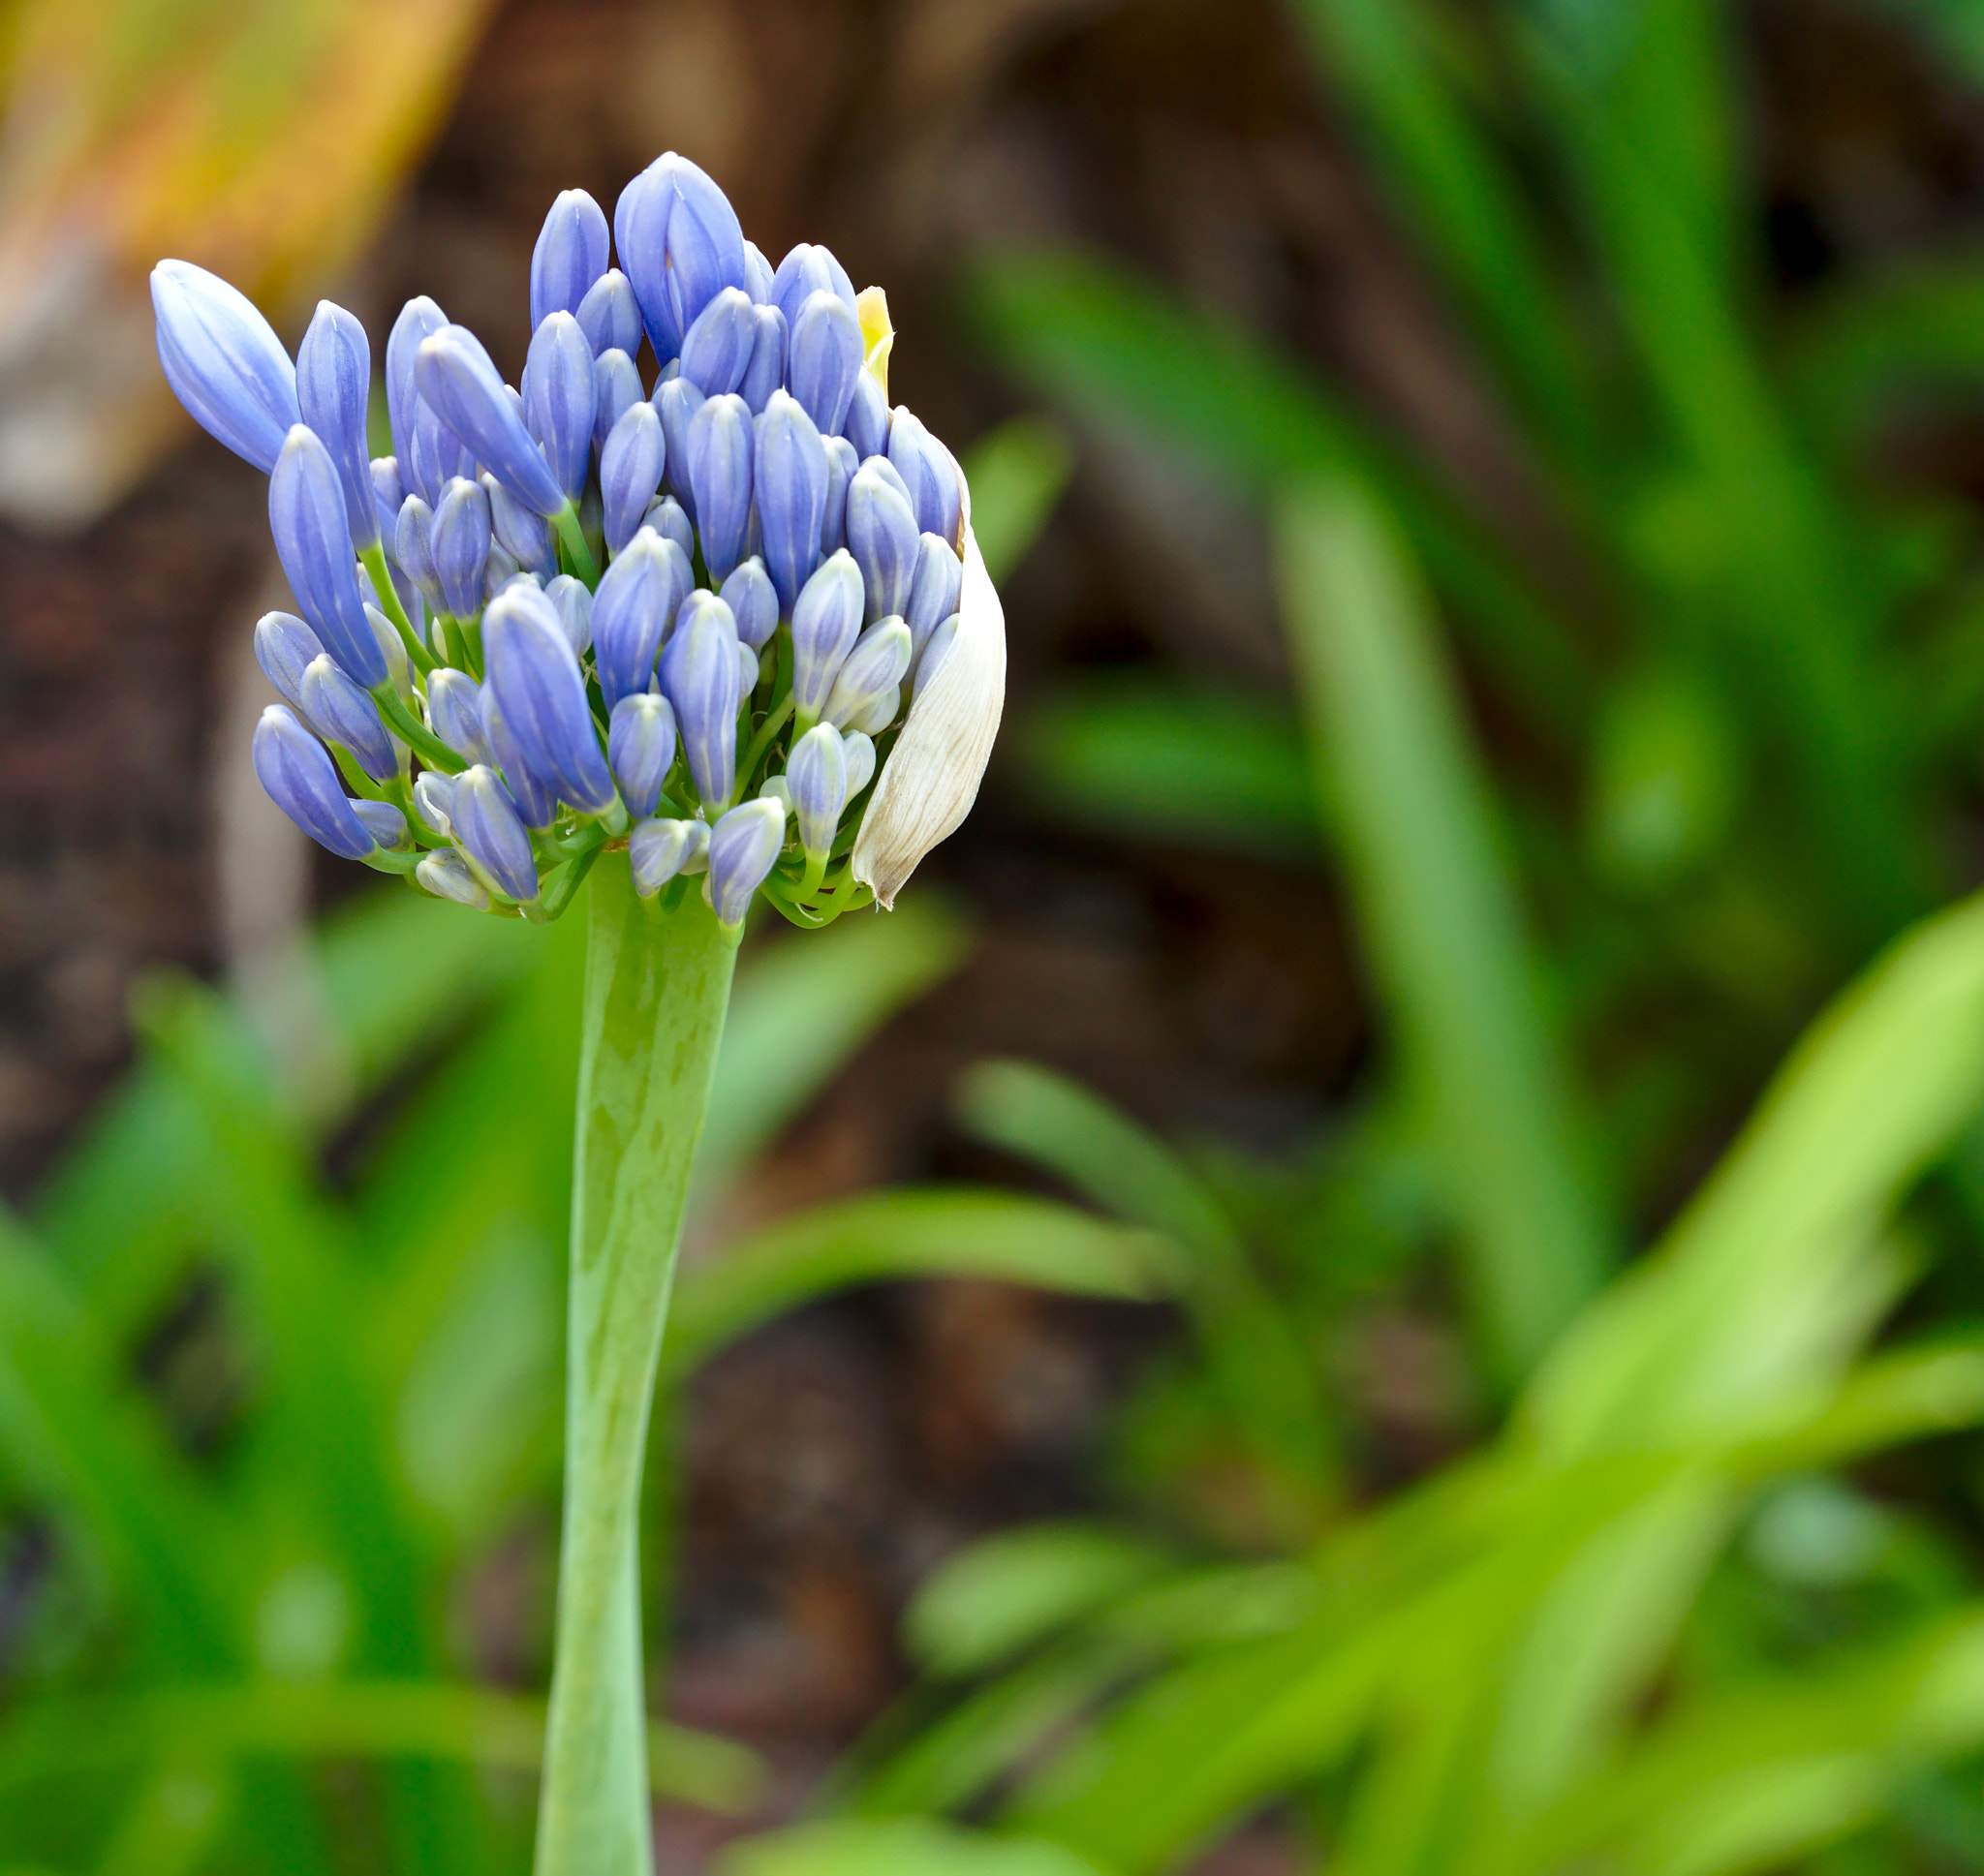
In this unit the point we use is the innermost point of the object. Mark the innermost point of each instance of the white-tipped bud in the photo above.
(447, 875)
(932, 774)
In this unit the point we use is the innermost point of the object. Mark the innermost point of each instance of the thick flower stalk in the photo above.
(719, 639)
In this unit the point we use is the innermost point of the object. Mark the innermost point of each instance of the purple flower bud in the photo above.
(867, 421)
(700, 677)
(574, 603)
(743, 848)
(882, 537)
(630, 473)
(656, 850)
(823, 360)
(861, 752)
(792, 482)
(487, 824)
(433, 791)
(435, 455)
(561, 399)
(343, 714)
(841, 465)
(641, 745)
(455, 377)
(716, 351)
(302, 780)
(930, 659)
(460, 540)
(388, 491)
(638, 595)
(827, 619)
(616, 385)
(807, 270)
(333, 383)
(412, 548)
(525, 537)
(719, 476)
(767, 371)
(680, 242)
(928, 472)
(223, 362)
(570, 257)
(499, 570)
(609, 317)
(817, 780)
(934, 590)
(454, 714)
(677, 402)
(752, 603)
(447, 875)
(419, 319)
(284, 646)
(534, 800)
(872, 669)
(757, 274)
(666, 518)
(534, 676)
(381, 821)
(306, 515)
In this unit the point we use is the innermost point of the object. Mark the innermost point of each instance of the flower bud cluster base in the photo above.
(685, 619)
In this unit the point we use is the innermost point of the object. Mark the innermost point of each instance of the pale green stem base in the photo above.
(655, 988)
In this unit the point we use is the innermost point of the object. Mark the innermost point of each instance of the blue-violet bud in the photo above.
(609, 317)
(808, 270)
(570, 257)
(298, 774)
(534, 676)
(677, 401)
(827, 619)
(223, 362)
(657, 850)
(757, 274)
(720, 475)
(333, 385)
(752, 603)
(525, 537)
(454, 376)
(841, 465)
(487, 824)
(700, 677)
(743, 848)
(716, 351)
(668, 520)
(637, 598)
(460, 540)
(823, 360)
(381, 821)
(413, 548)
(561, 399)
(641, 745)
(346, 715)
(617, 385)
(630, 473)
(874, 668)
(454, 714)
(767, 371)
(388, 491)
(681, 245)
(574, 603)
(817, 780)
(419, 319)
(284, 646)
(306, 515)
(929, 473)
(534, 799)
(867, 423)
(435, 455)
(934, 588)
(791, 477)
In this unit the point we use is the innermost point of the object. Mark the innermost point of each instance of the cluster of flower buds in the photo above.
(786, 680)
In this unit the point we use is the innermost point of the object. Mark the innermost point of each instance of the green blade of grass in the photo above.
(1442, 928)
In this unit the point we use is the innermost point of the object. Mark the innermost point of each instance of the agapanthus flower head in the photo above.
(478, 708)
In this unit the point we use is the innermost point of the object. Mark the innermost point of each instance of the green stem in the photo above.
(657, 982)
(571, 537)
(413, 734)
(374, 559)
(761, 741)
